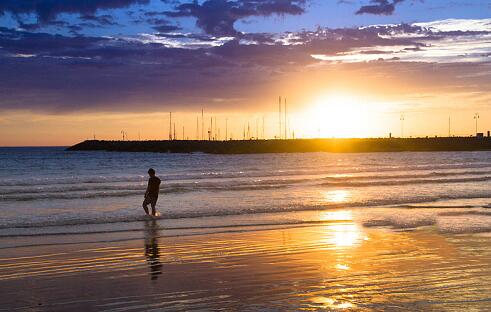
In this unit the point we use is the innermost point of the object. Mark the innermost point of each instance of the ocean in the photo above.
(264, 232)
(53, 191)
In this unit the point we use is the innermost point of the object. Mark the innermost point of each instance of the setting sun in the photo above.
(339, 115)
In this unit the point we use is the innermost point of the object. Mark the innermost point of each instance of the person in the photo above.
(152, 192)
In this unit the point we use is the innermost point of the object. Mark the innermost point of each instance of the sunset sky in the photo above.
(348, 68)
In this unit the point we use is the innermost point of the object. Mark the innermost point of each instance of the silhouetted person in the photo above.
(152, 192)
(152, 249)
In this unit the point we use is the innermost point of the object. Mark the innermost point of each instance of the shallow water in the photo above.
(276, 232)
(332, 266)
(49, 190)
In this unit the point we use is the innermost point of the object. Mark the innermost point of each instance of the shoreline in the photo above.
(367, 145)
(335, 266)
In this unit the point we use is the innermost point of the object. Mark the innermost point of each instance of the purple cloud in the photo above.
(48, 10)
(379, 7)
(218, 17)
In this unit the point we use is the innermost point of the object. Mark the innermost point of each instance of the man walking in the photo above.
(152, 193)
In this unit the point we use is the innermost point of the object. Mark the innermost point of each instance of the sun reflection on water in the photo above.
(336, 196)
(344, 235)
(336, 215)
(329, 303)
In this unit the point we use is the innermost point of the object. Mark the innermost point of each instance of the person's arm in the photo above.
(148, 189)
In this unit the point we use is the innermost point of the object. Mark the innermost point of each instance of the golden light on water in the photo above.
(336, 215)
(344, 233)
(329, 303)
(336, 196)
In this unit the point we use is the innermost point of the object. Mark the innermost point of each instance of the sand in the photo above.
(338, 265)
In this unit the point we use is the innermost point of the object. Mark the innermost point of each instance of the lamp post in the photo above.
(476, 117)
(402, 118)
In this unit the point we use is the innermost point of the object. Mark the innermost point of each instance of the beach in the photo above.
(337, 264)
(270, 232)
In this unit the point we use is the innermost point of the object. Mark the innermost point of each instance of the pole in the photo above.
(402, 125)
(170, 125)
(257, 129)
(286, 134)
(263, 128)
(226, 129)
(202, 125)
(279, 117)
(476, 117)
(449, 135)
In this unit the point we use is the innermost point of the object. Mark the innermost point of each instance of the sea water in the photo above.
(50, 191)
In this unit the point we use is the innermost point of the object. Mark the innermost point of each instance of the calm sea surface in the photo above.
(284, 232)
(49, 190)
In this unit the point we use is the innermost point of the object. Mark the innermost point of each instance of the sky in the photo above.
(72, 70)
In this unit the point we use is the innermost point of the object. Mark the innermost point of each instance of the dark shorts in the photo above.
(152, 200)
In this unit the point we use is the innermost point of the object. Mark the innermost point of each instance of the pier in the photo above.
(363, 145)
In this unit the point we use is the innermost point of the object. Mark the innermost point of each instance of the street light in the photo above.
(476, 117)
(402, 125)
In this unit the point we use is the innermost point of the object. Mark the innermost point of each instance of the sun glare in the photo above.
(341, 116)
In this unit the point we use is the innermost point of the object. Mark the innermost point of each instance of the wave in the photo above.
(193, 175)
(175, 228)
(112, 218)
(406, 182)
(104, 191)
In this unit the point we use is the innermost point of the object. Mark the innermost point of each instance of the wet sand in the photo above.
(336, 265)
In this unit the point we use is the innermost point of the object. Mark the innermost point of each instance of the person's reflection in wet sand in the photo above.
(152, 248)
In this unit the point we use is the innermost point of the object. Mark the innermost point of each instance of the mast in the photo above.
(202, 125)
(286, 133)
(263, 128)
(226, 129)
(279, 117)
(170, 125)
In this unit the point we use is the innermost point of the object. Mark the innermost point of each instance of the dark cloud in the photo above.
(162, 25)
(166, 28)
(48, 10)
(218, 17)
(379, 7)
(47, 72)
(106, 19)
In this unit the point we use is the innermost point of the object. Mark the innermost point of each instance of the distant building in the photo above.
(479, 135)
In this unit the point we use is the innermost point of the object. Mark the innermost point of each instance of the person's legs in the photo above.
(145, 204)
(153, 204)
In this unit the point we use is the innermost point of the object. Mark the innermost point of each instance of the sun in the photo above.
(339, 115)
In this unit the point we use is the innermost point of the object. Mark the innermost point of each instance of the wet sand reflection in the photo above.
(152, 249)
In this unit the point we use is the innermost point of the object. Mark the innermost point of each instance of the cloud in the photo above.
(218, 17)
(379, 7)
(48, 10)
(448, 41)
(105, 20)
(56, 73)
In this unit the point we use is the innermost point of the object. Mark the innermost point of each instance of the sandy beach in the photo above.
(336, 264)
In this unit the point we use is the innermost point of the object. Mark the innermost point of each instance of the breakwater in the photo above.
(365, 145)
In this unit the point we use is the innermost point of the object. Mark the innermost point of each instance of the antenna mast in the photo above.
(286, 133)
(279, 117)
(202, 125)
(170, 126)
